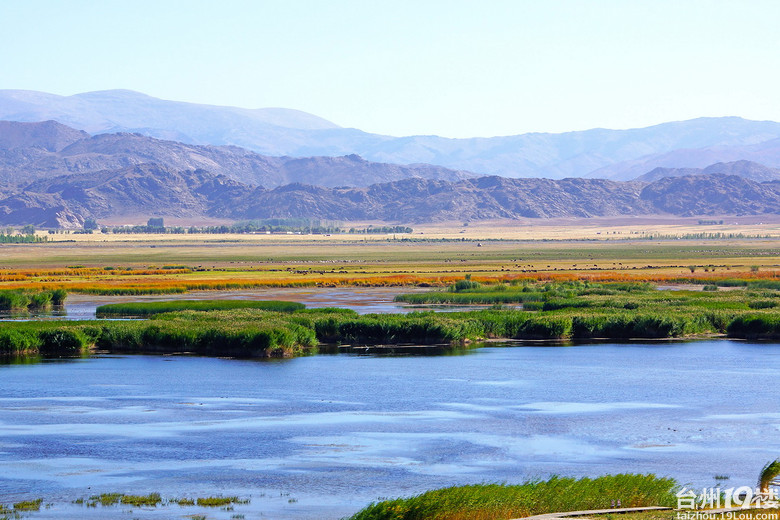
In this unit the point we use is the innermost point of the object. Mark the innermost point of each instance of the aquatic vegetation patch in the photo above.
(149, 308)
(150, 500)
(28, 505)
(155, 500)
(523, 291)
(219, 501)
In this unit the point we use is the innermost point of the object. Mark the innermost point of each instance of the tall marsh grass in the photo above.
(43, 338)
(466, 292)
(554, 311)
(149, 308)
(765, 325)
(24, 300)
(503, 502)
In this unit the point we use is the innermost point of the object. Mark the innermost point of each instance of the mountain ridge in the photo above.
(30, 151)
(594, 153)
(56, 176)
(745, 169)
(152, 190)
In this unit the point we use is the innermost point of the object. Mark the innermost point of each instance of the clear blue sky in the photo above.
(452, 67)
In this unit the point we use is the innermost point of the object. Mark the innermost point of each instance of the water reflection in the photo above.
(402, 350)
(20, 360)
(41, 314)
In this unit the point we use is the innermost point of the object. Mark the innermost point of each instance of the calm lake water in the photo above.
(322, 436)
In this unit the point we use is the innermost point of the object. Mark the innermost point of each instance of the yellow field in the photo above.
(438, 256)
(601, 228)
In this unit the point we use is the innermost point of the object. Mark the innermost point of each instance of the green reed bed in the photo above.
(459, 327)
(149, 308)
(467, 292)
(589, 324)
(419, 328)
(251, 333)
(43, 338)
(562, 311)
(247, 333)
(239, 333)
(18, 300)
(501, 501)
(579, 310)
(762, 326)
(731, 282)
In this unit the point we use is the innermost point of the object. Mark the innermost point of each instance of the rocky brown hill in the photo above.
(137, 191)
(143, 191)
(30, 151)
(417, 200)
(712, 195)
(55, 176)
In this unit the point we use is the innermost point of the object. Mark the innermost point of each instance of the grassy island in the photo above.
(549, 311)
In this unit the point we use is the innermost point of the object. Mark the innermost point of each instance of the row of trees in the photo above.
(272, 225)
(26, 235)
(157, 225)
(29, 229)
(382, 230)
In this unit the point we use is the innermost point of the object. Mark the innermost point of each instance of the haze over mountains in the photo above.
(138, 192)
(54, 175)
(745, 169)
(30, 151)
(616, 154)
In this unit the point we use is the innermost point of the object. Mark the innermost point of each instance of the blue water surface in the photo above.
(322, 436)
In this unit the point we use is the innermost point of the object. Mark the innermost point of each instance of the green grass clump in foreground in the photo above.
(149, 308)
(501, 502)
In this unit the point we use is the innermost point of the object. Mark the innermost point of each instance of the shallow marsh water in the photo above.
(321, 436)
(363, 300)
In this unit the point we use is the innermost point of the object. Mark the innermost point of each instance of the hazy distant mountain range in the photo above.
(56, 176)
(30, 151)
(138, 192)
(598, 153)
(745, 169)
